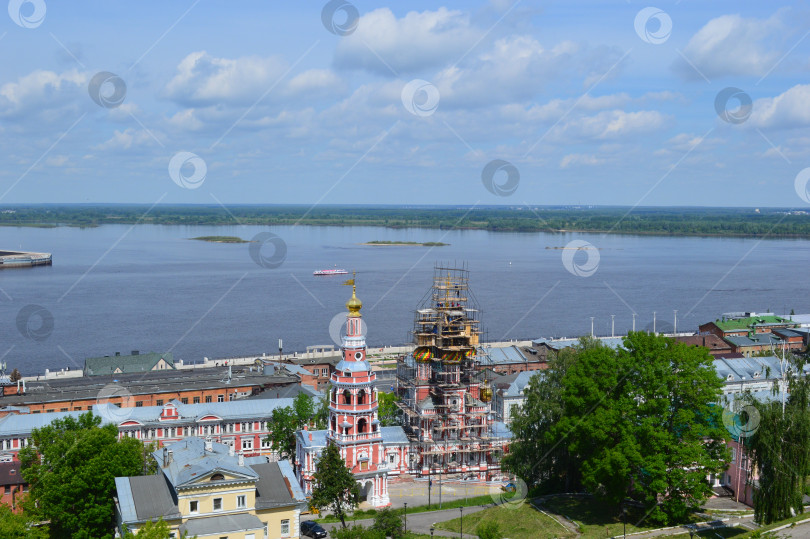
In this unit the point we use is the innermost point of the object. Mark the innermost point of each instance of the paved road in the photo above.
(422, 522)
(415, 493)
(800, 531)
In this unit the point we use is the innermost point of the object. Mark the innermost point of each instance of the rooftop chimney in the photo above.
(209, 445)
(310, 436)
(231, 451)
(241, 459)
(165, 456)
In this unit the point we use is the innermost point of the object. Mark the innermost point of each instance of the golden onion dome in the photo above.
(354, 304)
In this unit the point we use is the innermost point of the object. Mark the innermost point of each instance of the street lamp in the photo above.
(624, 521)
(461, 523)
(431, 532)
(406, 517)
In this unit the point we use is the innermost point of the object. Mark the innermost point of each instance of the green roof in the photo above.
(746, 323)
(96, 366)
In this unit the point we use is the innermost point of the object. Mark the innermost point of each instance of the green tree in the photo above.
(14, 526)
(640, 422)
(321, 414)
(387, 411)
(556, 470)
(781, 452)
(388, 523)
(287, 421)
(71, 466)
(334, 486)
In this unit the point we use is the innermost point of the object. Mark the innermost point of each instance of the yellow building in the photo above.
(203, 489)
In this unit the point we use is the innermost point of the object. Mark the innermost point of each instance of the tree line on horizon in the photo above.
(658, 221)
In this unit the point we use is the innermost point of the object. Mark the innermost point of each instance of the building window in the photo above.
(208, 398)
(193, 506)
(196, 400)
(159, 402)
(285, 527)
(220, 398)
(184, 400)
(77, 408)
(138, 404)
(240, 502)
(217, 504)
(247, 443)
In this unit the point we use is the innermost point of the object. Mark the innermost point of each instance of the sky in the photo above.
(369, 102)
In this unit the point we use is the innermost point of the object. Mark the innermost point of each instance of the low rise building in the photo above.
(153, 388)
(759, 343)
(12, 485)
(508, 359)
(716, 346)
(133, 363)
(508, 394)
(243, 425)
(204, 489)
(743, 324)
(545, 347)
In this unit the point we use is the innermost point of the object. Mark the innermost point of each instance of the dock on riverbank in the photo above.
(24, 259)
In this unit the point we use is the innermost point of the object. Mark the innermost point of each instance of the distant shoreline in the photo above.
(220, 239)
(406, 243)
(643, 221)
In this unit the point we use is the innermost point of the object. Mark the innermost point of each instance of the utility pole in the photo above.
(592, 326)
(675, 328)
(612, 325)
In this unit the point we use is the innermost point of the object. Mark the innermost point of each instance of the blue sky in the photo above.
(409, 107)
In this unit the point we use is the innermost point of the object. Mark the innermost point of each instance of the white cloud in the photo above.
(205, 81)
(40, 91)
(202, 79)
(612, 124)
(786, 110)
(731, 45)
(383, 43)
(126, 140)
(516, 68)
(57, 160)
(573, 159)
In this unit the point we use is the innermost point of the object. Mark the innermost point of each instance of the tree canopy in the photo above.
(71, 466)
(288, 420)
(639, 423)
(387, 410)
(781, 450)
(19, 526)
(334, 486)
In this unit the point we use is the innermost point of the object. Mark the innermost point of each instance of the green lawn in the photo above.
(596, 520)
(523, 522)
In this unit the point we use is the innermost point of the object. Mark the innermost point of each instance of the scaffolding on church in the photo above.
(444, 396)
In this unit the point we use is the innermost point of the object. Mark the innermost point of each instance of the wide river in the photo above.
(150, 288)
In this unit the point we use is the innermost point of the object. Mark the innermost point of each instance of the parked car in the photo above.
(312, 529)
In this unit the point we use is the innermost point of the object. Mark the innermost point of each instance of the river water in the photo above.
(149, 288)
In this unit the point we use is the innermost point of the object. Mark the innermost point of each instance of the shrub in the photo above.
(488, 530)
